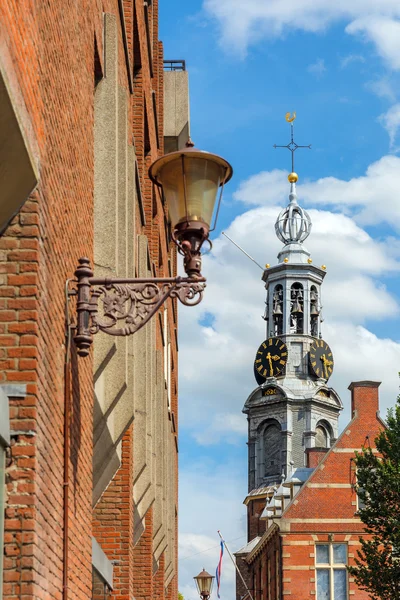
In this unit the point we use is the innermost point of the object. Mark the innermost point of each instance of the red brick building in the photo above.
(89, 505)
(313, 533)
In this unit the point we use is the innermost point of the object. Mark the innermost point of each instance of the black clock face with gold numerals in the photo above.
(321, 359)
(270, 359)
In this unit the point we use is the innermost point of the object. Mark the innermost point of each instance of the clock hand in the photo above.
(271, 368)
(275, 357)
(325, 360)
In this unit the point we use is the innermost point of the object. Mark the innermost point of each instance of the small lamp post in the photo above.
(204, 582)
(189, 181)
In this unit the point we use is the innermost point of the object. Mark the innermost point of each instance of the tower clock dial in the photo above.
(270, 359)
(321, 359)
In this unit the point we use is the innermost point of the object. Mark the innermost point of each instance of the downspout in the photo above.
(67, 412)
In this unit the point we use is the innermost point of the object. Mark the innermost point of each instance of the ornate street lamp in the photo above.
(189, 181)
(204, 582)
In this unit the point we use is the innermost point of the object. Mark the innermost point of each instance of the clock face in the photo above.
(321, 359)
(270, 359)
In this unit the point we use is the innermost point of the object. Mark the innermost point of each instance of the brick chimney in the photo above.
(364, 397)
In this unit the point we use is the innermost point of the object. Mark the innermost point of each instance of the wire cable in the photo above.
(208, 549)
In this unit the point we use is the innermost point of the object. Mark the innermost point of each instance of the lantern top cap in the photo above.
(190, 151)
(203, 574)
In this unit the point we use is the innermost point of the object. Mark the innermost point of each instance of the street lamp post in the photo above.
(188, 181)
(204, 582)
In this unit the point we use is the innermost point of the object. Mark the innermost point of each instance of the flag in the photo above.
(219, 568)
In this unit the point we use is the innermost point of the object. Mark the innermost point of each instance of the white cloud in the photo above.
(350, 59)
(384, 32)
(245, 23)
(383, 88)
(391, 122)
(229, 426)
(318, 68)
(213, 496)
(216, 363)
(371, 199)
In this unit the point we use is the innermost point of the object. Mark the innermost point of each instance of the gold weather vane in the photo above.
(292, 146)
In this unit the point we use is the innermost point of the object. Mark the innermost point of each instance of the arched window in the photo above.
(272, 450)
(314, 311)
(277, 310)
(297, 308)
(321, 437)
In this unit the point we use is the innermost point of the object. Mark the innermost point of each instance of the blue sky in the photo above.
(249, 63)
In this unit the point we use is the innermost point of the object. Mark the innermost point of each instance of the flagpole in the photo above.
(235, 565)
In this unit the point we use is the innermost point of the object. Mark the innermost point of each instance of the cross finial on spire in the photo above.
(292, 146)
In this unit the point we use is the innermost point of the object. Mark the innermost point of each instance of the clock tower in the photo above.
(292, 409)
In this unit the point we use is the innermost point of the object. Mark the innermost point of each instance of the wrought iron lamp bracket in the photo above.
(127, 304)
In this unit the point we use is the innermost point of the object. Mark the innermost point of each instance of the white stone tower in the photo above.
(292, 408)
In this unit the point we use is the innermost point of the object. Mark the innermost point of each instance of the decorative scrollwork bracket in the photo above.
(131, 301)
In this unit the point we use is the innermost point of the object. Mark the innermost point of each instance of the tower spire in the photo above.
(292, 146)
(293, 224)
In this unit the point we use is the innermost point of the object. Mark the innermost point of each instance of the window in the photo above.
(360, 501)
(277, 576)
(360, 492)
(272, 450)
(361, 495)
(269, 579)
(263, 576)
(321, 437)
(331, 572)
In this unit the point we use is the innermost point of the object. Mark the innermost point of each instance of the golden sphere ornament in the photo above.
(293, 177)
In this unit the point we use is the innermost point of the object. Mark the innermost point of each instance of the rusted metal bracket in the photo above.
(133, 301)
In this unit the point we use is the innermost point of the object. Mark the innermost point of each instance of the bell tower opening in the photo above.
(277, 311)
(314, 311)
(297, 309)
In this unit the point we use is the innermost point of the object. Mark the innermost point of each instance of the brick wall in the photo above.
(262, 574)
(39, 250)
(255, 526)
(52, 53)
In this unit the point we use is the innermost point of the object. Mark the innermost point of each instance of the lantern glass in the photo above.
(204, 583)
(190, 186)
(190, 179)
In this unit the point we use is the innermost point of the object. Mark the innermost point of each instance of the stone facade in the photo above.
(82, 86)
